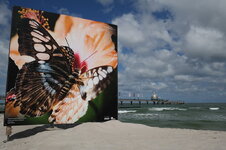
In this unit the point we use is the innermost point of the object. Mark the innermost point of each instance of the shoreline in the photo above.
(135, 123)
(113, 135)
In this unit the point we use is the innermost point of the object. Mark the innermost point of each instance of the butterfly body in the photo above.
(47, 80)
(71, 80)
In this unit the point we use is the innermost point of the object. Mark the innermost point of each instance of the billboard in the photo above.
(61, 70)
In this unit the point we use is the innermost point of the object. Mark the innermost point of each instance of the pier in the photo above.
(146, 101)
(155, 100)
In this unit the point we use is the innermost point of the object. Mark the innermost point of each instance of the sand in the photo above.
(110, 135)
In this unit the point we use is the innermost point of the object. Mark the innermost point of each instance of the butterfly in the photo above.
(53, 78)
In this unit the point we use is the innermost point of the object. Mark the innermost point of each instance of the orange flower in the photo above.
(91, 40)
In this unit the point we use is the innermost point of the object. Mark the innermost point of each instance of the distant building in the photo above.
(154, 96)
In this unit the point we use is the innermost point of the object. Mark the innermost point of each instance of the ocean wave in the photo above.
(214, 108)
(126, 111)
(166, 108)
(194, 107)
(146, 114)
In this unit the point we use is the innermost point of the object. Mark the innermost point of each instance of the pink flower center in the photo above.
(80, 65)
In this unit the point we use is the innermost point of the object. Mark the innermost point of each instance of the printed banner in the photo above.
(62, 69)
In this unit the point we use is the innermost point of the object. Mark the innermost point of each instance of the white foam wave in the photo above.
(146, 114)
(214, 108)
(126, 111)
(166, 108)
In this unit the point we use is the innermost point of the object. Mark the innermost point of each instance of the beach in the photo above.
(110, 135)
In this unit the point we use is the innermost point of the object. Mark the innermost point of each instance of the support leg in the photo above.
(51, 125)
(8, 133)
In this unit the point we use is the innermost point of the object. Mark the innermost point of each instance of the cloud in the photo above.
(65, 11)
(208, 13)
(4, 13)
(105, 2)
(176, 55)
(142, 33)
(5, 18)
(130, 32)
(206, 43)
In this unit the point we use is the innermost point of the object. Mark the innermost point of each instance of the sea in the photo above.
(199, 116)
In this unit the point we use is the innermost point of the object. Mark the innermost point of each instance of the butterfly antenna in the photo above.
(82, 67)
(89, 56)
(67, 42)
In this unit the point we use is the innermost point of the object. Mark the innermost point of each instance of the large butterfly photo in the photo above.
(61, 72)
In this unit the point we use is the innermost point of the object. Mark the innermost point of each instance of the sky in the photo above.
(175, 48)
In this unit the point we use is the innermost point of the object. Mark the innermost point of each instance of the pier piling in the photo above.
(154, 102)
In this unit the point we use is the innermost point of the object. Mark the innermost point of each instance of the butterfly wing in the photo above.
(39, 81)
(37, 86)
(70, 109)
(75, 105)
(95, 80)
(34, 40)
